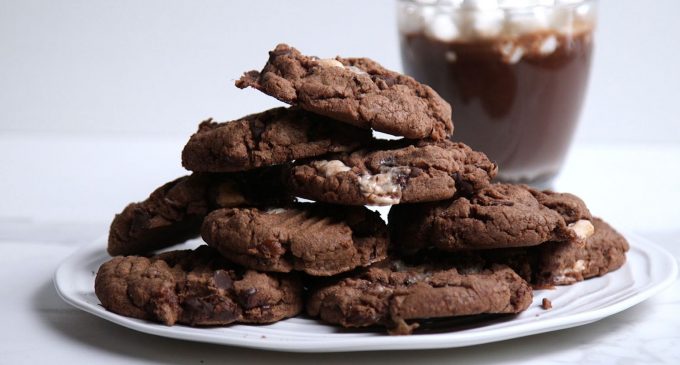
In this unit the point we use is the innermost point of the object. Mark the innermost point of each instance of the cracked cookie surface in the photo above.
(318, 239)
(392, 172)
(273, 137)
(173, 213)
(396, 295)
(498, 216)
(196, 288)
(357, 91)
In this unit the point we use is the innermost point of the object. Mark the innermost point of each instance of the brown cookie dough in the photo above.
(197, 288)
(269, 138)
(316, 238)
(391, 294)
(173, 213)
(498, 216)
(357, 91)
(393, 172)
(565, 263)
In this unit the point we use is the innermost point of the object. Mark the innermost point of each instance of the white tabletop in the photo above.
(60, 192)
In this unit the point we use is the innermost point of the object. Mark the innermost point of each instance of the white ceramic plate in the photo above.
(648, 270)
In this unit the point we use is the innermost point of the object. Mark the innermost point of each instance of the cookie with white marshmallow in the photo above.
(565, 263)
(357, 91)
(393, 172)
(498, 216)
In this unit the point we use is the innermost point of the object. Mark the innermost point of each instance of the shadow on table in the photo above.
(122, 342)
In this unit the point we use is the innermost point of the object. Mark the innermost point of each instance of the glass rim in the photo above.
(446, 5)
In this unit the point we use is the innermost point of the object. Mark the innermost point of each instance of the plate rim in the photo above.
(377, 343)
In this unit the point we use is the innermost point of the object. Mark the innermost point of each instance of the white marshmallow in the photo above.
(586, 13)
(511, 52)
(548, 46)
(487, 24)
(562, 19)
(412, 19)
(479, 4)
(472, 19)
(509, 4)
(442, 27)
(517, 23)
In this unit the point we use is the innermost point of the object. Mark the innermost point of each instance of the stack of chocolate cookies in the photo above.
(457, 244)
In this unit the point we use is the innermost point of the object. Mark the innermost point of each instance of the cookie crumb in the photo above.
(546, 304)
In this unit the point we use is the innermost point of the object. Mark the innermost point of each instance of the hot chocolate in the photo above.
(516, 76)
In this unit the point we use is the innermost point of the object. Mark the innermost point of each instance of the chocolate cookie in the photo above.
(318, 239)
(197, 288)
(564, 263)
(498, 216)
(393, 172)
(357, 91)
(269, 138)
(173, 213)
(390, 295)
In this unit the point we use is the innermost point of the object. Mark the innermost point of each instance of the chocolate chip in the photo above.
(208, 309)
(196, 305)
(247, 298)
(223, 280)
(196, 310)
(225, 312)
(464, 187)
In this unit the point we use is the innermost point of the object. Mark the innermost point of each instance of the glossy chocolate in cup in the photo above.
(516, 75)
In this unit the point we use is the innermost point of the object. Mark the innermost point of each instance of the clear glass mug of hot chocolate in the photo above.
(514, 71)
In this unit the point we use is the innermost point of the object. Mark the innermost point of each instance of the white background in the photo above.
(159, 67)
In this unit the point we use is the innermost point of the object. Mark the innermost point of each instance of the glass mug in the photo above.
(514, 71)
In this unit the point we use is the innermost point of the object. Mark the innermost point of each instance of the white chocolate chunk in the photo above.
(583, 229)
(579, 266)
(330, 168)
(330, 62)
(566, 277)
(356, 70)
(382, 188)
